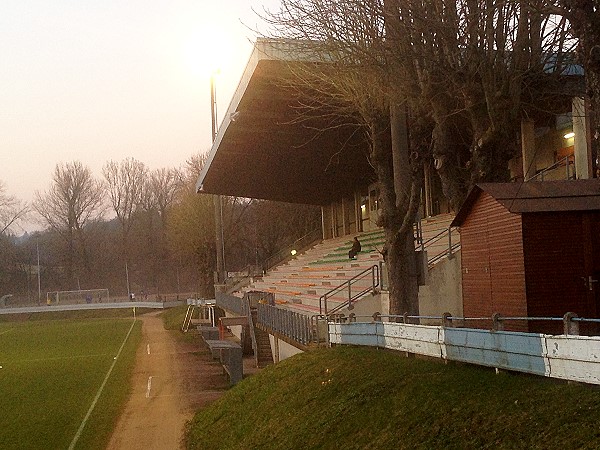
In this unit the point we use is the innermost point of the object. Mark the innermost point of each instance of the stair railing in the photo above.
(252, 330)
(187, 319)
(452, 247)
(567, 161)
(418, 233)
(372, 272)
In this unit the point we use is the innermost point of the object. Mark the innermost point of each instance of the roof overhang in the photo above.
(262, 150)
(537, 196)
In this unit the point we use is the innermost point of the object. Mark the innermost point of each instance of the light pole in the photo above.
(127, 277)
(39, 280)
(219, 240)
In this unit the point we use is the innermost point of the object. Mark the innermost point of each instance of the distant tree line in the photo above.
(148, 224)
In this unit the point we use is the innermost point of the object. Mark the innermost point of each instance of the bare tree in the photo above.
(11, 210)
(125, 182)
(457, 70)
(190, 228)
(164, 185)
(158, 194)
(74, 199)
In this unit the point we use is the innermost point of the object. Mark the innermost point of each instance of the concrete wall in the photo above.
(368, 305)
(443, 289)
(281, 349)
(442, 293)
(574, 358)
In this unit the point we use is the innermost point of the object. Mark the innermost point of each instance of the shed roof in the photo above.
(263, 151)
(544, 196)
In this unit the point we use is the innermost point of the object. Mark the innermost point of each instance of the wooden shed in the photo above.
(531, 249)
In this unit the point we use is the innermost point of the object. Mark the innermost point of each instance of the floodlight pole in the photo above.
(127, 277)
(39, 275)
(217, 200)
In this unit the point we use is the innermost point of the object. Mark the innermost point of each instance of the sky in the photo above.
(100, 80)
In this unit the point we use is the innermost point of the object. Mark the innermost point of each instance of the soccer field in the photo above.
(51, 374)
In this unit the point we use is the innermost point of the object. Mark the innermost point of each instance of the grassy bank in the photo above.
(173, 317)
(358, 398)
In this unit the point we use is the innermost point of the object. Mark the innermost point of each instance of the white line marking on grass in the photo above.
(149, 387)
(93, 405)
(58, 358)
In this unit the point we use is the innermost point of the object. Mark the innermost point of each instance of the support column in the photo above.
(582, 147)
(528, 148)
(323, 227)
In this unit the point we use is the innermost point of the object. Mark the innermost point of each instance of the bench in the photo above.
(207, 332)
(229, 355)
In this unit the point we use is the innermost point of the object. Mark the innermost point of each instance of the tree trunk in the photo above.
(446, 156)
(399, 196)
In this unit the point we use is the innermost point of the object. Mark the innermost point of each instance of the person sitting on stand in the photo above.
(355, 248)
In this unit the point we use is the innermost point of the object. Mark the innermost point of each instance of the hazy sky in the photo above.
(94, 80)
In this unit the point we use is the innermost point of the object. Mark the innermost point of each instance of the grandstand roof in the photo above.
(263, 151)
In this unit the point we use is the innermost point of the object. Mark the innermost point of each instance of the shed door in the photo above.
(562, 264)
(591, 225)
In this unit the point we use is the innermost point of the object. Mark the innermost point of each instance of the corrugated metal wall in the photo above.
(492, 263)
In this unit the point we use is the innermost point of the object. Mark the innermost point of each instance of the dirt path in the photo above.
(171, 380)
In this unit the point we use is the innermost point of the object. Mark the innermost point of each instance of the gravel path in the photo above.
(171, 380)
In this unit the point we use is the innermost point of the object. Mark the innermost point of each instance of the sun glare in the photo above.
(207, 51)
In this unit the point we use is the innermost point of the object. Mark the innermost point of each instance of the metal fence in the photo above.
(567, 357)
(231, 303)
(295, 326)
(290, 324)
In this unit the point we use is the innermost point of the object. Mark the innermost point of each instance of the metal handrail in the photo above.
(566, 161)
(570, 320)
(437, 237)
(252, 332)
(373, 271)
(293, 325)
(418, 233)
(448, 252)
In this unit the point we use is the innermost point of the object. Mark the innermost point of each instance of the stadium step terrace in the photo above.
(298, 284)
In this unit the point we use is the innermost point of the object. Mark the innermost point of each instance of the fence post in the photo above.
(447, 320)
(497, 324)
(571, 328)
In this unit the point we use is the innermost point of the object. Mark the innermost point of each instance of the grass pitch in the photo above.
(51, 372)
